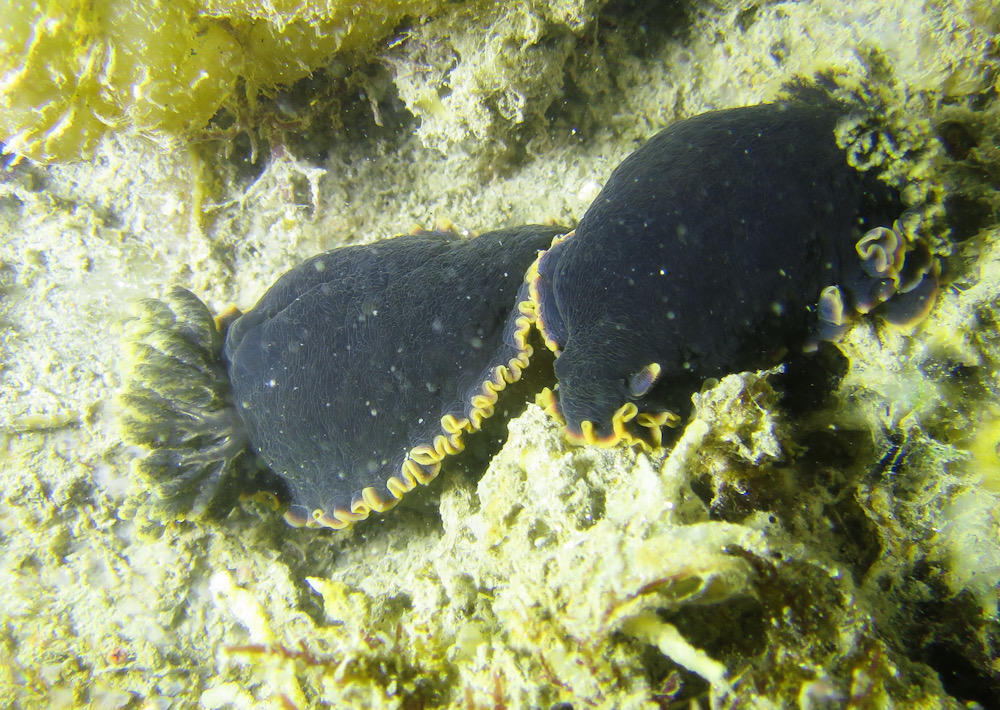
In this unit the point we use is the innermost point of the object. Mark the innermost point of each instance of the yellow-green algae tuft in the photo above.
(73, 71)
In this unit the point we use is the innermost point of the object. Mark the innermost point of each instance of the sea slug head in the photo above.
(603, 400)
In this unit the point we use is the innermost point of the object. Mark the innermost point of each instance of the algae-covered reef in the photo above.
(815, 538)
(75, 71)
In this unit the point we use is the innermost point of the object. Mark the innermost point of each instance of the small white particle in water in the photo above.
(272, 383)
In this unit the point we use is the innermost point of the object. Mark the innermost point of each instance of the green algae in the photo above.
(74, 71)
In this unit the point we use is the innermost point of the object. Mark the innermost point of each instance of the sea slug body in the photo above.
(725, 241)
(351, 379)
